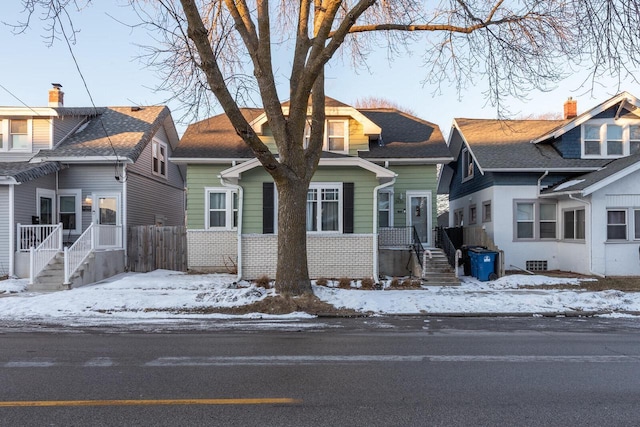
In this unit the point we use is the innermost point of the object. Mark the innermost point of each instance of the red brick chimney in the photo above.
(570, 108)
(56, 96)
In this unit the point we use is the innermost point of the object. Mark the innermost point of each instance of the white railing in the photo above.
(40, 255)
(30, 236)
(75, 255)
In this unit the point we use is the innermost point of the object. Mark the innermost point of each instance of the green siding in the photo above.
(413, 178)
(199, 177)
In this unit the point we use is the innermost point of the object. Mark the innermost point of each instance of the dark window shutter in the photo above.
(347, 207)
(267, 208)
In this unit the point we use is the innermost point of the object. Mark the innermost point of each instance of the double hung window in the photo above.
(605, 138)
(324, 207)
(574, 224)
(222, 209)
(535, 220)
(159, 158)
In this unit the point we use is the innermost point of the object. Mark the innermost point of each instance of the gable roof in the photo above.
(111, 132)
(405, 136)
(18, 172)
(593, 181)
(215, 138)
(625, 99)
(501, 145)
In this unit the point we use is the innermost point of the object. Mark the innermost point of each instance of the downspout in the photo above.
(12, 230)
(540, 180)
(375, 225)
(124, 211)
(239, 189)
(588, 204)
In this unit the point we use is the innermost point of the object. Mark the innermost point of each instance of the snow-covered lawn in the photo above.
(168, 295)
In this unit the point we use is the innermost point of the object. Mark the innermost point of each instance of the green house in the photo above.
(376, 179)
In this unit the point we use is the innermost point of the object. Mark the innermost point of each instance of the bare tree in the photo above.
(377, 102)
(225, 47)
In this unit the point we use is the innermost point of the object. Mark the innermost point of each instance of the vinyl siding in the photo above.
(41, 134)
(4, 230)
(413, 178)
(199, 177)
(91, 179)
(149, 195)
(25, 197)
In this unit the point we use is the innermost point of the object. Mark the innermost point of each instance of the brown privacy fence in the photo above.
(150, 248)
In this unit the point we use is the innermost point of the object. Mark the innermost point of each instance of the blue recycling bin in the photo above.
(483, 263)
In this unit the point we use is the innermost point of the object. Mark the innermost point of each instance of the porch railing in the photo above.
(30, 236)
(75, 255)
(43, 253)
(108, 236)
(395, 237)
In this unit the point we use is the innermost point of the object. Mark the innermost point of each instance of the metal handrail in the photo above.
(41, 255)
(444, 242)
(75, 255)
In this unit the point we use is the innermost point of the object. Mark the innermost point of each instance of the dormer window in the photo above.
(336, 133)
(604, 138)
(15, 135)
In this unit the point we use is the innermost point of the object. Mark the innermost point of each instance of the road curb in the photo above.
(485, 314)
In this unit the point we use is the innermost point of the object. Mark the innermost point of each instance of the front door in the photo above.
(45, 205)
(107, 217)
(419, 214)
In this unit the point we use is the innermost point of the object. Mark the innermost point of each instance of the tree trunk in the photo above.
(292, 274)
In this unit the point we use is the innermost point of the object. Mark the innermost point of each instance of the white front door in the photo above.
(419, 214)
(107, 216)
(45, 205)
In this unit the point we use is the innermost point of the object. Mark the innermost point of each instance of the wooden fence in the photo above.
(150, 248)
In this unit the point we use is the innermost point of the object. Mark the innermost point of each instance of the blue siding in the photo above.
(478, 182)
(569, 144)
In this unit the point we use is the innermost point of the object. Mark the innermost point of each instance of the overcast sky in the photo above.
(106, 52)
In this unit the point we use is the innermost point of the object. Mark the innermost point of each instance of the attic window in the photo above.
(336, 135)
(606, 139)
(467, 165)
(159, 158)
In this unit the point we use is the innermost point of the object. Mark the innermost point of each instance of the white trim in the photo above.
(603, 124)
(28, 112)
(213, 161)
(376, 254)
(83, 159)
(77, 193)
(48, 194)
(316, 186)
(408, 161)
(621, 97)
(5, 132)
(240, 192)
(368, 127)
(585, 169)
(381, 172)
(228, 209)
(611, 179)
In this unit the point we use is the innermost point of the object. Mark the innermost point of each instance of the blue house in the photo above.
(552, 194)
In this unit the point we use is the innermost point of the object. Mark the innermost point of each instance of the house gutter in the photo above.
(540, 180)
(588, 204)
(375, 225)
(240, 209)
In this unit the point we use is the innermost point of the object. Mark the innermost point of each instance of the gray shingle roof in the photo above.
(215, 137)
(111, 131)
(404, 136)
(580, 183)
(25, 171)
(506, 144)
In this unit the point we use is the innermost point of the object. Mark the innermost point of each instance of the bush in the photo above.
(322, 281)
(367, 284)
(411, 284)
(263, 282)
(344, 283)
(395, 283)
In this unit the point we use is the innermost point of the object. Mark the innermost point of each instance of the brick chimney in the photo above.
(570, 108)
(56, 96)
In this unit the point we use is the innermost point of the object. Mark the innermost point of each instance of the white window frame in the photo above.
(390, 209)
(77, 193)
(624, 124)
(156, 147)
(536, 221)
(625, 224)
(229, 208)
(467, 165)
(6, 135)
(325, 142)
(318, 187)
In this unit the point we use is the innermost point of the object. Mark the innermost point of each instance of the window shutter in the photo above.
(347, 208)
(267, 208)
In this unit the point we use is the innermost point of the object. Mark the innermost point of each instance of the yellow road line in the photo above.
(256, 401)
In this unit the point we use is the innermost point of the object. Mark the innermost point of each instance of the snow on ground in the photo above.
(164, 295)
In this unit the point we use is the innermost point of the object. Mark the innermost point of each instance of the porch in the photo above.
(42, 257)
